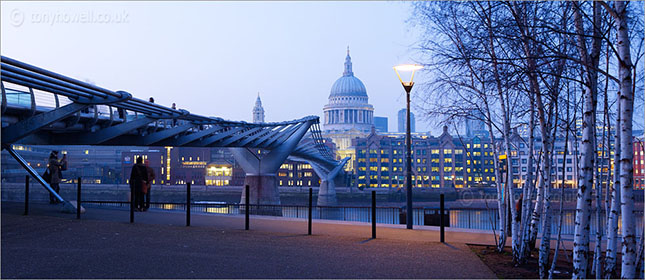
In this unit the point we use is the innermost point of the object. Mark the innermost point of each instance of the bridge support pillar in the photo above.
(327, 193)
(263, 190)
(327, 190)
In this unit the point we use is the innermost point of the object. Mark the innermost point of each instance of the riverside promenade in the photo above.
(103, 244)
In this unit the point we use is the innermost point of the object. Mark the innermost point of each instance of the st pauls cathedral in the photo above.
(348, 114)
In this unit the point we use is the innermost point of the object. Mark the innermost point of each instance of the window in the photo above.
(447, 151)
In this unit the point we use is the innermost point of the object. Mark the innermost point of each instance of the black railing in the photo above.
(468, 218)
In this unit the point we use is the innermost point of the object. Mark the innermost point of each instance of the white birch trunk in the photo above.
(547, 158)
(599, 188)
(612, 220)
(564, 163)
(586, 178)
(500, 203)
(529, 186)
(506, 132)
(628, 268)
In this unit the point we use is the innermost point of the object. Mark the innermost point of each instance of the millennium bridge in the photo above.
(41, 107)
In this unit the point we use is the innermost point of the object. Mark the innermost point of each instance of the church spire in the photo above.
(348, 65)
(258, 111)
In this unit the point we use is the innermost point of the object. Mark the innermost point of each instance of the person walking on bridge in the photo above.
(138, 180)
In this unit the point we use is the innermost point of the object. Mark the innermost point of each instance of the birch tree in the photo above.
(590, 59)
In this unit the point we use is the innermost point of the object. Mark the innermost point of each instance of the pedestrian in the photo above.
(151, 100)
(138, 180)
(174, 120)
(518, 208)
(55, 168)
(151, 179)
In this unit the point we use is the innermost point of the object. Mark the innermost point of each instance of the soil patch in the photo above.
(502, 263)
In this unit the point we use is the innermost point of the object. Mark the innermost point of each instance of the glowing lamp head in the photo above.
(407, 70)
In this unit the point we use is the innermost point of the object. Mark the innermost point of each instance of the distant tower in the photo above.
(402, 118)
(258, 111)
(475, 125)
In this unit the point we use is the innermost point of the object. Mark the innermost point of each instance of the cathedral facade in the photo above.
(348, 115)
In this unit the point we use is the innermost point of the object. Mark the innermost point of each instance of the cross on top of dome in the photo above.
(348, 65)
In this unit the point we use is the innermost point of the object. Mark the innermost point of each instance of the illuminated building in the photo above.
(443, 161)
(180, 165)
(297, 174)
(639, 164)
(219, 174)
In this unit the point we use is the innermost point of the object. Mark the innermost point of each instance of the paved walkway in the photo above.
(50, 244)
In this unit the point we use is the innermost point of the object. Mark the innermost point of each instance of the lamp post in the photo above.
(408, 69)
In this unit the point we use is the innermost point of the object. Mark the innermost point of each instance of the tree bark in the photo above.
(612, 220)
(628, 268)
(586, 178)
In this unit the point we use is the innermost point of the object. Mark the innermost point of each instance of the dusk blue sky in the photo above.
(212, 58)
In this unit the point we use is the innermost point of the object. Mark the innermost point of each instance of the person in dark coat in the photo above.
(518, 208)
(138, 177)
(54, 168)
(151, 178)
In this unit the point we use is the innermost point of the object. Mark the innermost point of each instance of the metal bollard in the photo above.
(78, 199)
(373, 214)
(309, 217)
(441, 221)
(132, 203)
(26, 195)
(246, 203)
(188, 204)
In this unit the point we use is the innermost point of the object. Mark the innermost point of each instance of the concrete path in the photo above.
(50, 244)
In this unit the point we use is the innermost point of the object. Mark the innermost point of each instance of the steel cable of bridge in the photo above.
(32, 68)
(29, 77)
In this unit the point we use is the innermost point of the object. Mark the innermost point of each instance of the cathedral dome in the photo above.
(348, 85)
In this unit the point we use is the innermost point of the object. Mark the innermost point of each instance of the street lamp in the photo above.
(408, 69)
